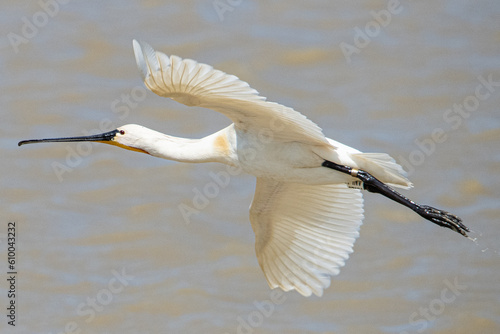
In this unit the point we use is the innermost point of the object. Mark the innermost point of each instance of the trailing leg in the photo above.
(372, 184)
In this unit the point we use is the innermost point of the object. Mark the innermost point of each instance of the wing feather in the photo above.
(304, 233)
(194, 84)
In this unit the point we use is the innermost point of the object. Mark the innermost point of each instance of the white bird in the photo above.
(308, 207)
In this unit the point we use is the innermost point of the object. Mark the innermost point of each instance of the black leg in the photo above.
(372, 184)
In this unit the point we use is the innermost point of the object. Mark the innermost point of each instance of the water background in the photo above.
(103, 225)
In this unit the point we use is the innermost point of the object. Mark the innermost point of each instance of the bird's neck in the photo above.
(218, 147)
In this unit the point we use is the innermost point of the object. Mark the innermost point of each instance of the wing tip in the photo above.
(146, 58)
(140, 59)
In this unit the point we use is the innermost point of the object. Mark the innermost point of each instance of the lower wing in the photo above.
(304, 233)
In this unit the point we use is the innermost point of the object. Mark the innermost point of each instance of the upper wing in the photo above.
(195, 84)
(304, 233)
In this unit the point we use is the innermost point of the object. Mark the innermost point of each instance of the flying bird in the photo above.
(308, 207)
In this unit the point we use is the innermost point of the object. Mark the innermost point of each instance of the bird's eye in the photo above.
(122, 132)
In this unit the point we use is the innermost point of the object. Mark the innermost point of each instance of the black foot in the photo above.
(372, 184)
(442, 218)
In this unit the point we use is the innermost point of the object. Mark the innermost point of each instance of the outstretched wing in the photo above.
(304, 233)
(195, 84)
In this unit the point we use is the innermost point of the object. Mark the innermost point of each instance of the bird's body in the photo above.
(307, 207)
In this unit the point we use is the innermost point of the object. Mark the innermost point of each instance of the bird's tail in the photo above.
(383, 167)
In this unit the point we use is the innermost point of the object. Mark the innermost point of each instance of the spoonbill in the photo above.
(308, 207)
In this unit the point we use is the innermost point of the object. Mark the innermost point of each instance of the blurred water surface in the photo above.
(102, 245)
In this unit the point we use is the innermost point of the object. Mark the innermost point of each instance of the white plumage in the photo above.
(307, 208)
(304, 233)
(305, 217)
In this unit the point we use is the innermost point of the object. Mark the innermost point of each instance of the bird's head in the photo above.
(127, 136)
